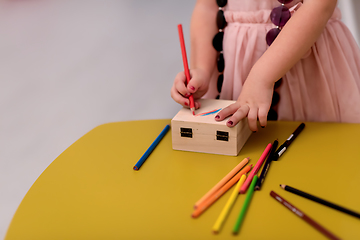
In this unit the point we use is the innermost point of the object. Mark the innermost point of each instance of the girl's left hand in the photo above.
(254, 103)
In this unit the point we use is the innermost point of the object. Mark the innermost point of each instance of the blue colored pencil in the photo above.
(151, 148)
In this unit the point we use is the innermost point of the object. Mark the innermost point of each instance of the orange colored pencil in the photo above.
(201, 208)
(222, 181)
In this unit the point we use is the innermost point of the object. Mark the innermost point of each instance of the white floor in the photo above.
(68, 66)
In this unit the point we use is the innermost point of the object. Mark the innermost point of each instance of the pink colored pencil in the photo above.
(186, 66)
(246, 184)
(222, 181)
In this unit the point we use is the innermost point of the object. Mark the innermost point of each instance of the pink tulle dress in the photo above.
(323, 86)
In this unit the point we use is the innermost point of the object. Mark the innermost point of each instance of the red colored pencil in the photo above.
(254, 171)
(303, 216)
(186, 67)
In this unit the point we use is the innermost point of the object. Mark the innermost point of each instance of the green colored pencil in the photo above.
(245, 206)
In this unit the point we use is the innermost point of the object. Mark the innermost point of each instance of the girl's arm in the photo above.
(203, 55)
(295, 39)
(202, 30)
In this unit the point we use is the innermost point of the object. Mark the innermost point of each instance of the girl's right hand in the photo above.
(198, 86)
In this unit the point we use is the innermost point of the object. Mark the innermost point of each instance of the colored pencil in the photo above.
(303, 216)
(266, 165)
(151, 148)
(222, 181)
(255, 169)
(229, 204)
(319, 200)
(186, 66)
(245, 205)
(205, 205)
(288, 141)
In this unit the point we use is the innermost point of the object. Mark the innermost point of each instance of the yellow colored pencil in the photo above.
(224, 213)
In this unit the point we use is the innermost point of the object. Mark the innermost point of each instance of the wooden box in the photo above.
(201, 133)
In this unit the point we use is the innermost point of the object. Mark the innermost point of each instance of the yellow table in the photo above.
(91, 191)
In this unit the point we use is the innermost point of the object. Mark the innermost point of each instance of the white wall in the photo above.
(351, 17)
(68, 66)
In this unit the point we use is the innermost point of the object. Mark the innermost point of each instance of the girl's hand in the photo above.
(254, 103)
(198, 86)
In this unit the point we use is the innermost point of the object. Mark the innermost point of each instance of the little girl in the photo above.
(315, 57)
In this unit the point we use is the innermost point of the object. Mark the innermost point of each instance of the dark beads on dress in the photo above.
(280, 15)
(221, 3)
(220, 82)
(220, 63)
(275, 99)
(217, 41)
(220, 19)
(277, 83)
(271, 35)
(272, 115)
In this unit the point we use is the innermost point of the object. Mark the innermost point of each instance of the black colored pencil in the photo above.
(266, 166)
(319, 200)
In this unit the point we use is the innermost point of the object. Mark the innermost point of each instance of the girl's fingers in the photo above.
(178, 97)
(263, 112)
(252, 119)
(241, 113)
(180, 85)
(197, 105)
(229, 110)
